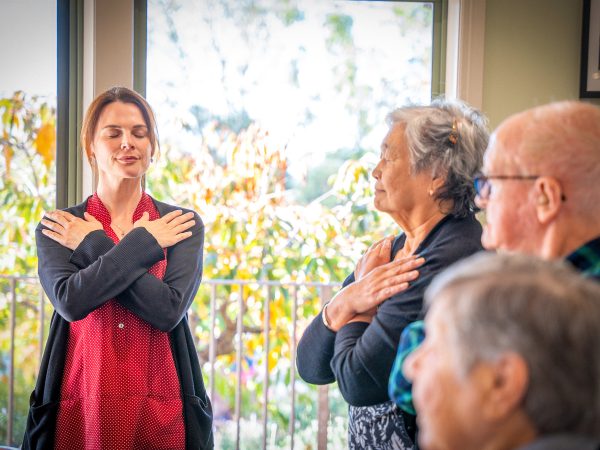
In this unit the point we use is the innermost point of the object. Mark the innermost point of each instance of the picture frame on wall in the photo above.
(589, 86)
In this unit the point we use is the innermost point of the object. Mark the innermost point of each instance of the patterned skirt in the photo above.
(378, 427)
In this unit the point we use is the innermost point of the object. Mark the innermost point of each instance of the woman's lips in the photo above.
(128, 159)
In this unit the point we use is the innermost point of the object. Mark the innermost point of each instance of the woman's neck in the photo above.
(120, 199)
(416, 229)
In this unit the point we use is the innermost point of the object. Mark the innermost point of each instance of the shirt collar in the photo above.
(586, 258)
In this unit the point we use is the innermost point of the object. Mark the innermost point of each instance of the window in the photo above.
(271, 114)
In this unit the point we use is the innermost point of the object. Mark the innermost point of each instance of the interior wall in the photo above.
(531, 54)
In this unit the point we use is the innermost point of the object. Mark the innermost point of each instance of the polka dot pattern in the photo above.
(120, 388)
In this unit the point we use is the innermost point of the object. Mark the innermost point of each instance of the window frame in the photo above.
(69, 78)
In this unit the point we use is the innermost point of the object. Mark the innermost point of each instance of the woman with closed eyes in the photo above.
(121, 269)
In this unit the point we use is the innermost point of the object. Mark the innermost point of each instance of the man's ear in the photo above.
(549, 198)
(507, 385)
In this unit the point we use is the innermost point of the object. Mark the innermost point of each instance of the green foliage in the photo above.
(27, 148)
(255, 232)
(341, 29)
(27, 152)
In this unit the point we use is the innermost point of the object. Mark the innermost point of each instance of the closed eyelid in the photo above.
(134, 128)
(114, 131)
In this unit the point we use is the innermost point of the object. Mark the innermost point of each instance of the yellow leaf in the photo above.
(8, 154)
(45, 143)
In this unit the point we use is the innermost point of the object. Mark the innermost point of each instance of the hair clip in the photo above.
(454, 135)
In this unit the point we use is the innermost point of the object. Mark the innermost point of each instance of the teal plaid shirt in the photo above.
(399, 388)
(585, 259)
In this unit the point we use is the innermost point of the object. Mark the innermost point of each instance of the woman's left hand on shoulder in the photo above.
(67, 229)
(383, 282)
(376, 255)
(169, 229)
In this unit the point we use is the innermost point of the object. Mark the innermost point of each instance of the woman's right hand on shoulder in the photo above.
(169, 229)
(67, 229)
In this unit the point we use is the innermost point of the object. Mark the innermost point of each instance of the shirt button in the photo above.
(121, 325)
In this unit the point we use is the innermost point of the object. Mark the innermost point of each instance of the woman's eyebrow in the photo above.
(119, 127)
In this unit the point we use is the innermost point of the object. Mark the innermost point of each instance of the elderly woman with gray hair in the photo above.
(424, 181)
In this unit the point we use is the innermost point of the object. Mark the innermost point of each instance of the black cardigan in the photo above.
(80, 281)
(360, 355)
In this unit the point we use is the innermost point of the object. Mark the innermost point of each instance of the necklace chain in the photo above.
(119, 229)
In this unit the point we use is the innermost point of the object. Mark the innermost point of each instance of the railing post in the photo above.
(266, 374)
(238, 359)
(292, 429)
(42, 324)
(11, 371)
(212, 350)
(323, 392)
(322, 416)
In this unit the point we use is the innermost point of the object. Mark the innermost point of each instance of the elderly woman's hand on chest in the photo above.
(376, 281)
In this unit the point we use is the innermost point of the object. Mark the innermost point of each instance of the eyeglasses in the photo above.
(483, 187)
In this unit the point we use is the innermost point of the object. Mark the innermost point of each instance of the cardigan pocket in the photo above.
(40, 414)
(41, 423)
(198, 418)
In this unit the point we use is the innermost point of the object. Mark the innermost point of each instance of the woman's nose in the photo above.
(125, 143)
(376, 172)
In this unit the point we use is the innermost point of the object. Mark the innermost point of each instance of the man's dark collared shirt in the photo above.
(586, 259)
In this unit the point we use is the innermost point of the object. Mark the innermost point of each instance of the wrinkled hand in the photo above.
(364, 317)
(359, 300)
(67, 229)
(169, 229)
(376, 255)
(383, 282)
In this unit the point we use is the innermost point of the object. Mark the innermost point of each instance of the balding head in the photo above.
(560, 139)
(559, 144)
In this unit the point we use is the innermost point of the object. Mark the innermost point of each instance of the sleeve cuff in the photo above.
(94, 245)
(140, 244)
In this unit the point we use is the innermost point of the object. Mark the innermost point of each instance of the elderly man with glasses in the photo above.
(540, 189)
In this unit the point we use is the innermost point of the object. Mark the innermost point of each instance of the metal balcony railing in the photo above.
(14, 284)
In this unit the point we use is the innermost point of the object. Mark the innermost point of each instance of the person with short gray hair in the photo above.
(510, 359)
(424, 181)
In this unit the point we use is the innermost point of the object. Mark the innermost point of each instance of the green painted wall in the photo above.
(532, 53)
